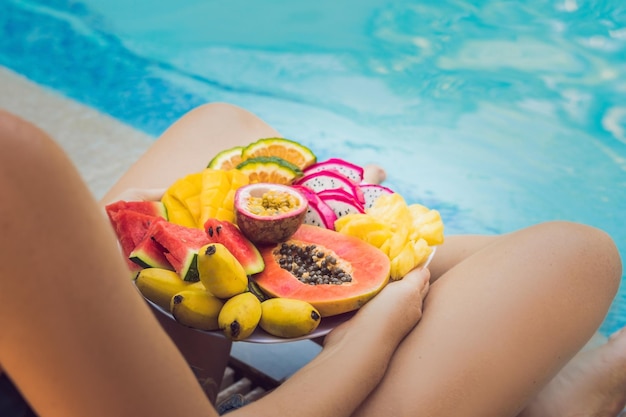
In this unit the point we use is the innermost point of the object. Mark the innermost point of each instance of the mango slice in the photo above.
(207, 194)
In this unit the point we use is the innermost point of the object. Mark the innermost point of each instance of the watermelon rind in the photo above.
(150, 254)
(188, 269)
(181, 245)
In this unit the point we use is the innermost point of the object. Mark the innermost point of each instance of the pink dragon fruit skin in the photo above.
(341, 202)
(345, 168)
(371, 192)
(318, 213)
(330, 180)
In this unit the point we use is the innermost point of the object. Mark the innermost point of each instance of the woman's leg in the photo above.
(503, 317)
(75, 337)
(591, 384)
(187, 147)
(189, 144)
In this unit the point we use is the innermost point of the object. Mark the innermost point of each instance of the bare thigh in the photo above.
(502, 319)
(189, 144)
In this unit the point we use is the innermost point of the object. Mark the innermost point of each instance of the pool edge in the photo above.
(81, 131)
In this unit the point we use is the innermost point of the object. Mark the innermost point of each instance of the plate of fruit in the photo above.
(268, 244)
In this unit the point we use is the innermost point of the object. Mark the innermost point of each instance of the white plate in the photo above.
(260, 336)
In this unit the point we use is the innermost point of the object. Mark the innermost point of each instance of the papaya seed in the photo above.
(311, 265)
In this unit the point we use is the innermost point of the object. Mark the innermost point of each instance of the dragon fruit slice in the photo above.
(331, 180)
(318, 213)
(345, 168)
(371, 192)
(341, 202)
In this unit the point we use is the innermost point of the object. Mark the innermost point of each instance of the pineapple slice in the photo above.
(392, 210)
(426, 224)
(378, 237)
(421, 251)
(359, 225)
(403, 262)
(404, 233)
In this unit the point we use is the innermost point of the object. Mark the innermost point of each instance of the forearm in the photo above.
(354, 359)
(333, 384)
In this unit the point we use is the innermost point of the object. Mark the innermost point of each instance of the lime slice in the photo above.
(287, 149)
(269, 169)
(227, 159)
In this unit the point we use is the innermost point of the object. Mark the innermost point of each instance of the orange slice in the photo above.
(289, 150)
(227, 159)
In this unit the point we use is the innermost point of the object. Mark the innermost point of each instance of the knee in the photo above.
(19, 139)
(28, 153)
(590, 249)
(218, 110)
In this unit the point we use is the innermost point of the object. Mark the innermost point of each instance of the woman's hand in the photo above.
(393, 312)
(354, 359)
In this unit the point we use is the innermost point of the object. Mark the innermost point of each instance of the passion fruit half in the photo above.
(269, 213)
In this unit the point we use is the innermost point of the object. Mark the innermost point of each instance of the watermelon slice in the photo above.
(181, 245)
(130, 221)
(150, 208)
(131, 228)
(150, 254)
(237, 243)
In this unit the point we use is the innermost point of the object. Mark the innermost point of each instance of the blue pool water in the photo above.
(499, 114)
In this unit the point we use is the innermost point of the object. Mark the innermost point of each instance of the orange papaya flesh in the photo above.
(368, 266)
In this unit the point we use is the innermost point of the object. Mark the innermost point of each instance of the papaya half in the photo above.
(335, 273)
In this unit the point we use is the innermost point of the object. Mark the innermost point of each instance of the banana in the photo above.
(285, 317)
(159, 285)
(240, 316)
(197, 309)
(220, 272)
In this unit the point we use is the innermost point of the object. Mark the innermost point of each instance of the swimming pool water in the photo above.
(498, 113)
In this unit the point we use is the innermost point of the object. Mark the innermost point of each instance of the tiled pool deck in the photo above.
(100, 146)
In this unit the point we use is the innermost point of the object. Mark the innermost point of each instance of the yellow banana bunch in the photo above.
(240, 316)
(220, 272)
(285, 317)
(222, 299)
(159, 285)
(197, 309)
